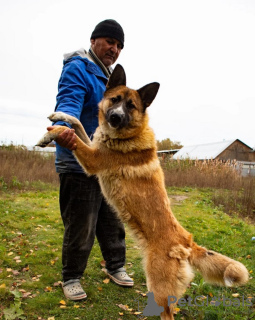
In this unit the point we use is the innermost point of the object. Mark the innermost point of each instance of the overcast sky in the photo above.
(201, 52)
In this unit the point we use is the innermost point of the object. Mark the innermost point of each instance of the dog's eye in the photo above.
(114, 100)
(130, 105)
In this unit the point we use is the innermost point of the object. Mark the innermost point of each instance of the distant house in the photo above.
(224, 150)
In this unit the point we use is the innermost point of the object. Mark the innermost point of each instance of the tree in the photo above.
(167, 144)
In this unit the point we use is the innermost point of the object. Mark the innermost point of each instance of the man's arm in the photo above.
(72, 90)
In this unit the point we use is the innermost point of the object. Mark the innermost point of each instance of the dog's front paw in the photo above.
(57, 116)
(45, 140)
(51, 135)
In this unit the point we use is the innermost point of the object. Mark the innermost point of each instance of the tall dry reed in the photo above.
(202, 174)
(20, 167)
(232, 191)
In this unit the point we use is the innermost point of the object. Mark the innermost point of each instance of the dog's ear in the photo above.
(148, 93)
(117, 78)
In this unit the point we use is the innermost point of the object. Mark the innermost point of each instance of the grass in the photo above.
(30, 262)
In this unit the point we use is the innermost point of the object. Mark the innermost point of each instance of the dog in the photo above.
(123, 156)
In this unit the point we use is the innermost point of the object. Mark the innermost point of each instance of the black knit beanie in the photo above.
(109, 28)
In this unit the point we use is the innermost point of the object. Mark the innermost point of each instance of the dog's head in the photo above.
(122, 110)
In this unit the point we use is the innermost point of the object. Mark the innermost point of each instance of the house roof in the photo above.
(204, 151)
(168, 151)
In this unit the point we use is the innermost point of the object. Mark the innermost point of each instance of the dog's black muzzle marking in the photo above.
(116, 118)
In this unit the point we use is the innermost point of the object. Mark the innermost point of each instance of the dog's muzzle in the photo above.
(117, 118)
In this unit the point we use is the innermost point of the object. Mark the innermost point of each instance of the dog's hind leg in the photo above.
(167, 278)
(74, 122)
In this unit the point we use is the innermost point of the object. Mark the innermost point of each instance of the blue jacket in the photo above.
(81, 87)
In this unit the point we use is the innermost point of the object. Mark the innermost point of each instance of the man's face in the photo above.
(106, 49)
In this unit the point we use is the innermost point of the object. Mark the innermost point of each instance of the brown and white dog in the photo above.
(123, 157)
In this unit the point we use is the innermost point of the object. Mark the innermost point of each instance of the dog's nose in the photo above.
(115, 119)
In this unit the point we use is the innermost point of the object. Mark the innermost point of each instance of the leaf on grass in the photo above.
(102, 263)
(25, 269)
(48, 289)
(176, 310)
(10, 253)
(15, 272)
(100, 289)
(76, 306)
(122, 306)
(51, 318)
(62, 302)
(16, 258)
(57, 284)
(121, 313)
(37, 278)
(3, 286)
(235, 295)
(14, 312)
(26, 294)
(107, 280)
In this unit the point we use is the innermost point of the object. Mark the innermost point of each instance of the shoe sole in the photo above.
(78, 297)
(120, 283)
(81, 297)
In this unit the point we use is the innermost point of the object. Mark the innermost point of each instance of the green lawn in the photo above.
(30, 263)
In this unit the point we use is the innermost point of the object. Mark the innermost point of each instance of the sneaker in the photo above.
(120, 277)
(73, 290)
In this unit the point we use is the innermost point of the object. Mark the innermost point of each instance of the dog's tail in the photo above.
(217, 268)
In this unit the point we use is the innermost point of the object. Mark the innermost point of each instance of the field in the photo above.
(31, 240)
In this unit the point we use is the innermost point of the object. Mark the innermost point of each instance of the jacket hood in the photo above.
(91, 56)
(80, 52)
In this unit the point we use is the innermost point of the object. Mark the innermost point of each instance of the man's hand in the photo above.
(66, 139)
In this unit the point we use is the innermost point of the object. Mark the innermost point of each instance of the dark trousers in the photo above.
(86, 214)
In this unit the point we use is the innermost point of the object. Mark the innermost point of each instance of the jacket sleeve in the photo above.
(72, 89)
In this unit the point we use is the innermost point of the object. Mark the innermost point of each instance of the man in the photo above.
(84, 211)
